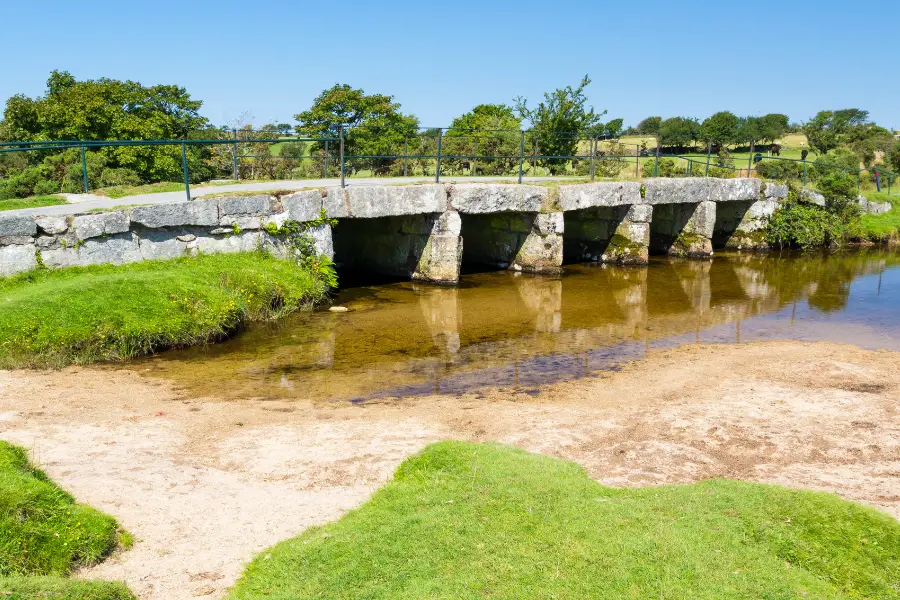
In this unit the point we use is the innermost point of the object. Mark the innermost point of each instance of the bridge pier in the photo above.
(683, 230)
(518, 241)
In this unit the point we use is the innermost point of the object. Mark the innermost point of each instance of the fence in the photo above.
(437, 152)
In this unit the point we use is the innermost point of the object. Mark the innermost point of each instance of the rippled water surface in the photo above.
(522, 330)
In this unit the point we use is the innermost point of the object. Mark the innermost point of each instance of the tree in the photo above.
(613, 129)
(559, 120)
(829, 129)
(749, 130)
(373, 124)
(721, 128)
(649, 126)
(892, 158)
(773, 126)
(678, 131)
(491, 128)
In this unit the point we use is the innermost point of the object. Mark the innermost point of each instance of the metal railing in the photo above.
(403, 152)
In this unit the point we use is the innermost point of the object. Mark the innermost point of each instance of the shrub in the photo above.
(838, 160)
(667, 168)
(799, 225)
(780, 170)
(119, 176)
(46, 187)
(837, 187)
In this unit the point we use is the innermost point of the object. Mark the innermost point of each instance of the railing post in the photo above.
(234, 158)
(475, 160)
(84, 169)
(326, 159)
(184, 168)
(804, 172)
(750, 160)
(437, 170)
(342, 155)
(521, 152)
(708, 154)
(858, 181)
(656, 163)
(405, 153)
(637, 160)
(593, 150)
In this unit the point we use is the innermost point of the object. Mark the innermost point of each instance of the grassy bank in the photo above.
(45, 535)
(33, 202)
(87, 314)
(467, 520)
(883, 227)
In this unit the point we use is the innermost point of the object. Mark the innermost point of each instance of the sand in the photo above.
(204, 484)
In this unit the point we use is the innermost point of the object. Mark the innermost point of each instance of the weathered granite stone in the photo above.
(703, 221)
(448, 223)
(775, 191)
(196, 212)
(244, 205)
(384, 201)
(877, 208)
(688, 190)
(733, 190)
(52, 225)
(91, 226)
(18, 258)
(547, 223)
(17, 225)
(303, 206)
(473, 198)
(335, 203)
(640, 213)
(116, 249)
(604, 193)
(246, 241)
(15, 240)
(242, 222)
(322, 240)
(440, 260)
(190, 237)
(812, 197)
(539, 254)
(46, 242)
(761, 209)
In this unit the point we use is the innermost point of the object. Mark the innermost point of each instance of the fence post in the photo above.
(475, 160)
(234, 158)
(521, 152)
(593, 151)
(326, 159)
(437, 170)
(342, 155)
(656, 164)
(637, 160)
(750, 160)
(858, 182)
(804, 172)
(708, 153)
(405, 153)
(84, 169)
(184, 167)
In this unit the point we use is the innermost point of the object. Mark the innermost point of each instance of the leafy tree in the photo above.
(750, 129)
(559, 119)
(892, 158)
(772, 126)
(493, 129)
(649, 126)
(373, 123)
(830, 128)
(721, 128)
(679, 131)
(613, 129)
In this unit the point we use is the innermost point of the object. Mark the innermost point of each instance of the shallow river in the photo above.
(505, 329)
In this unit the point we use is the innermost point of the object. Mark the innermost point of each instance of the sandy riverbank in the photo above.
(204, 484)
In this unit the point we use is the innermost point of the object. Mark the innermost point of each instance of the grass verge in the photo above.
(79, 315)
(121, 191)
(45, 535)
(33, 202)
(465, 520)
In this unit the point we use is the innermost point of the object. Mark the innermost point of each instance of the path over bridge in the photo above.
(418, 231)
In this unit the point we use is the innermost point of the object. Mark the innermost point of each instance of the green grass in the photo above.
(121, 191)
(80, 315)
(465, 520)
(33, 202)
(59, 588)
(115, 208)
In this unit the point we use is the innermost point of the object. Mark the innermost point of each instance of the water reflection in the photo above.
(508, 329)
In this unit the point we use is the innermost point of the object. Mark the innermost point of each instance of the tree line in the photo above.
(560, 125)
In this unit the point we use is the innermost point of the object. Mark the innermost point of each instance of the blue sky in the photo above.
(439, 59)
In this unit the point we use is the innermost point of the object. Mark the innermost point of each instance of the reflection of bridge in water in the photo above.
(507, 329)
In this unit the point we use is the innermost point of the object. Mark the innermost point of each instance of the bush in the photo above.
(837, 187)
(46, 187)
(120, 176)
(799, 225)
(780, 170)
(838, 160)
(667, 168)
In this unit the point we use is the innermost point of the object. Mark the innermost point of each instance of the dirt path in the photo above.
(203, 484)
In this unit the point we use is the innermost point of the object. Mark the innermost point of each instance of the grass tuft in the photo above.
(51, 318)
(465, 520)
(33, 202)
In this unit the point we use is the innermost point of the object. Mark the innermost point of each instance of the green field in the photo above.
(51, 318)
(473, 521)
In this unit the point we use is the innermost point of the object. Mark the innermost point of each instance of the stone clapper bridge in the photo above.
(417, 231)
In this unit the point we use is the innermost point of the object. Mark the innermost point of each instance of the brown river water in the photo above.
(519, 330)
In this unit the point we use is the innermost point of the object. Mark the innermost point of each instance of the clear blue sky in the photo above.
(439, 59)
